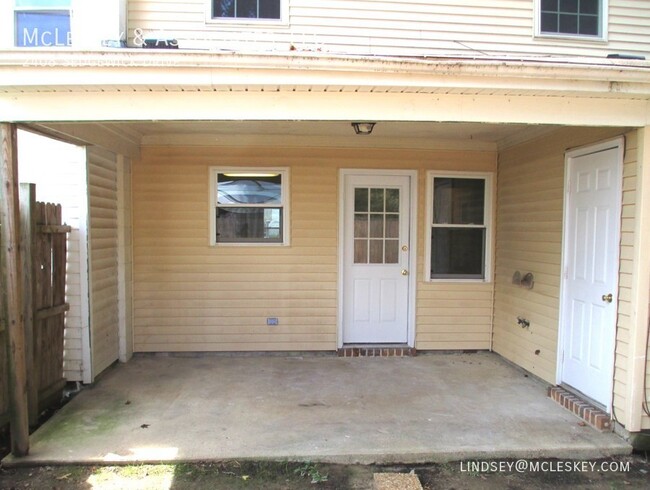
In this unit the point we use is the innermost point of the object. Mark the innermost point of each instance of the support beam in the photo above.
(322, 106)
(12, 285)
(28, 225)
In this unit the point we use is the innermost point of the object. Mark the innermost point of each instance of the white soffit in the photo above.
(140, 70)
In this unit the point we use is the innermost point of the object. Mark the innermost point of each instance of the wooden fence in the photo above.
(43, 246)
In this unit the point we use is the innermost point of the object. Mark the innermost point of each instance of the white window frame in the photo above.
(241, 21)
(12, 21)
(604, 23)
(488, 223)
(285, 203)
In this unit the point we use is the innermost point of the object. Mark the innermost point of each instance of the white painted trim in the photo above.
(286, 205)
(84, 275)
(638, 342)
(413, 174)
(125, 326)
(490, 193)
(131, 67)
(323, 106)
(6, 24)
(604, 27)
(618, 143)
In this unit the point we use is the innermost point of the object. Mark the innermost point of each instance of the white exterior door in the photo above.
(592, 236)
(376, 215)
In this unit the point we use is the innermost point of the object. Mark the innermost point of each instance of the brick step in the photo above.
(376, 351)
(583, 409)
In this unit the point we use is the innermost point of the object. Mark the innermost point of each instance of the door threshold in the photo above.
(376, 350)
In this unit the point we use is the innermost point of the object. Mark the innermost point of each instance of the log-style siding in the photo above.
(398, 27)
(189, 296)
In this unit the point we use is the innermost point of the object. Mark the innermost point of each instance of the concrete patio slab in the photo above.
(430, 408)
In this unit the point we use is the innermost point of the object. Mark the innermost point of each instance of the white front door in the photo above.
(590, 287)
(376, 215)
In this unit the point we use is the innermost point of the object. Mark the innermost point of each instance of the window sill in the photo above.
(220, 23)
(458, 281)
(571, 37)
(252, 244)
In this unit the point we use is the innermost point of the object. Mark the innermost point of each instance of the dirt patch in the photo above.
(219, 476)
(620, 473)
(608, 474)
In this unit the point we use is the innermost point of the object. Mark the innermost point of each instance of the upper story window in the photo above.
(459, 226)
(582, 18)
(42, 23)
(250, 206)
(247, 9)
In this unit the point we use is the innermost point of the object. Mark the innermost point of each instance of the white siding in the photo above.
(398, 27)
(58, 170)
(103, 236)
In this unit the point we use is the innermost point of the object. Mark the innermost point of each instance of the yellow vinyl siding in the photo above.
(624, 324)
(193, 297)
(529, 239)
(102, 195)
(189, 296)
(398, 27)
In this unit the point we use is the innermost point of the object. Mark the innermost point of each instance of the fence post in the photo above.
(12, 282)
(27, 235)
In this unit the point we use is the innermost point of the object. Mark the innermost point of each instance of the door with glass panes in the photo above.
(376, 259)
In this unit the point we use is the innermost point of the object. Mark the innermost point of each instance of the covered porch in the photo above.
(429, 408)
(158, 133)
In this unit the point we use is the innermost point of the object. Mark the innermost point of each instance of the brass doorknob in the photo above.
(405, 272)
(607, 298)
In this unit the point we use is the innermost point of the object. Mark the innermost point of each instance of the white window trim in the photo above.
(7, 24)
(604, 23)
(283, 21)
(286, 229)
(489, 220)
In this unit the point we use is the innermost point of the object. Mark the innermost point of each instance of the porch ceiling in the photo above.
(386, 134)
(124, 99)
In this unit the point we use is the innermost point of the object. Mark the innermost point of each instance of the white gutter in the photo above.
(158, 68)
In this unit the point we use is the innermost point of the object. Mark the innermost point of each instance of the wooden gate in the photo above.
(43, 244)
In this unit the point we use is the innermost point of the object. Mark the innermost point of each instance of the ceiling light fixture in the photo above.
(363, 127)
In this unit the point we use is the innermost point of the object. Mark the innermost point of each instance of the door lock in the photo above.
(607, 298)
(405, 272)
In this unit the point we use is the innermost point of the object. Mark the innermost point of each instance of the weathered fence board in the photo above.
(43, 241)
(27, 241)
(11, 279)
(50, 307)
